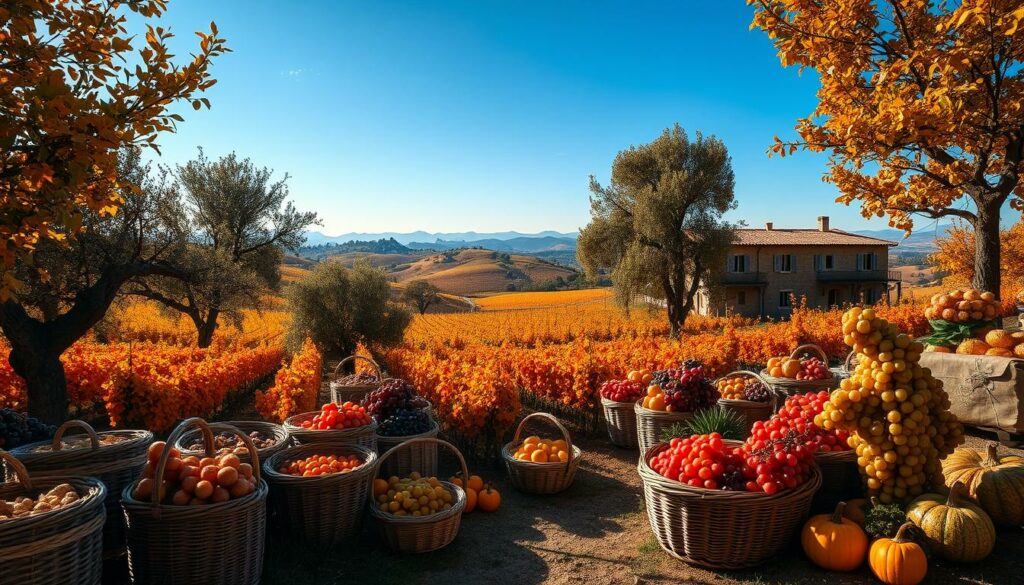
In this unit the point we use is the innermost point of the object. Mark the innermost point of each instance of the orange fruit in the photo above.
(999, 338)
(1000, 352)
(790, 368)
(470, 500)
(938, 349)
(539, 456)
(972, 347)
(475, 483)
(1018, 350)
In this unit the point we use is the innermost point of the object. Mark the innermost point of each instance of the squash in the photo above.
(471, 495)
(833, 542)
(898, 560)
(856, 509)
(995, 482)
(488, 499)
(954, 528)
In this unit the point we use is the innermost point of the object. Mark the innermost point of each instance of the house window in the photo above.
(824, 262)
(867, 261)
(784, 262)
(784, 299)
(833, 297)
(738, 263)
(741, 297)
(871, 296)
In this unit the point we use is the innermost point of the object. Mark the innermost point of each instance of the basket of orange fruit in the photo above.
(180, 505)
(800, 371)
(541, 466)
(617, 399)
(963, 315)
(673, 396)
(318, 492)
(748, 395)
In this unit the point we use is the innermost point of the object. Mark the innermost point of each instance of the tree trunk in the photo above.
(986, 247)
(207, 328)
(44, 378)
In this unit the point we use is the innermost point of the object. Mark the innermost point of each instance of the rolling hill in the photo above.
(472, 271)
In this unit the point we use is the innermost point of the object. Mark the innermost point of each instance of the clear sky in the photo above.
(456, 115)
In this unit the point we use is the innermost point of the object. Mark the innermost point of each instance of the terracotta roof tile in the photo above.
(805, 237)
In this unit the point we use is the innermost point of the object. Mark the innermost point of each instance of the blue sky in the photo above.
(491, 115)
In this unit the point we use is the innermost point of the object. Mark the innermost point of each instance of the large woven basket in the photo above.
(323, 510)
(840, 478)
(621, 423)
(268, 429)
(750, 410)
(651, 423)
(116, 465)
(353, 392)
(364, 436)
(722, 529)
(212, 543)
(541, 478)
(421, 457)
(419, 534)
(54, 548)
(791, 386)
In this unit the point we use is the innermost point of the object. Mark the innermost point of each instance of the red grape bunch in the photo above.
(393, 395)
(687, 390)
(622, 390)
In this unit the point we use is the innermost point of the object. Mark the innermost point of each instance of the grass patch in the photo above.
(647, 564)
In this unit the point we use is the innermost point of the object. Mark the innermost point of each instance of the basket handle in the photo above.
(810, 346)
(849, 361)
(554, 420)
(775, 394)
(352, 358)
(57, 444)
(19, 469)
(204, 428)
(411, 442)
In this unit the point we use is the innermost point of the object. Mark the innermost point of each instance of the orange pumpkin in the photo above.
(475, 483)
(471, 498)
(833, 542)
(489, 499)
(898, 560)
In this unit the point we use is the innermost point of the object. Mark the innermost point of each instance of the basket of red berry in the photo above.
(345, 423)
(672, 397)
(319, 491)
(617, 400)
(800, 372)
(355, 386)
(748, 395)
(840, 477)
(726, 504)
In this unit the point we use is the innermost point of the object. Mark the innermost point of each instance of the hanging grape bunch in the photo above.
(393, 395)
(896, 412)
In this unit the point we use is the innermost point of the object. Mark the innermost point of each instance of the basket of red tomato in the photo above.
(754, 493)
(347, 423)
(617, 399)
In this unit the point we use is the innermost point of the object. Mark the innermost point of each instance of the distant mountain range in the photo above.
(318, 238)
(919, 242)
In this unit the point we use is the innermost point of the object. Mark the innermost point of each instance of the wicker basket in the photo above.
(323, 510)
(116, 465)
(621, 422)
(722, 529)
(840, 478)
(353, 392)
(364, 436)
(212, 543)
(421, 457)
(419, 534)
(541, 478)
(791, 386)
(750, 410)
(56, 548)
(267, 429)
(651, 423)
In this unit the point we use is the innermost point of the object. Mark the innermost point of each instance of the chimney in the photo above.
(822, 223)
(768, 226)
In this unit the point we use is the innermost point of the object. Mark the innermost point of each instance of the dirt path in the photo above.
(595, 533)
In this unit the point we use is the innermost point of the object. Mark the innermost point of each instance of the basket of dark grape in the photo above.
(673, 396)
(17, 429)
(617, 399)
(268, 438)
(800, 371)
(401, 415)
(347, 423)
(51, 528)
(113, 457)
(354, 387)
(749, 396)
(726, 504)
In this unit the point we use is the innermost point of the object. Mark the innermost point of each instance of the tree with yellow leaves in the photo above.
(75, 87)
(955, 256)
(921, 107)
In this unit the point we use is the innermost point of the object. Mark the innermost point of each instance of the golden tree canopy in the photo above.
(75, 87)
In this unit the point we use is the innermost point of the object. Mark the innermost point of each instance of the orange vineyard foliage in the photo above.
(296, 386)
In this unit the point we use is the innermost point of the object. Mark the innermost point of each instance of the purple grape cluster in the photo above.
(756, 391)
(687, 390)
(17, 429)
(405, 423)
(393, 395)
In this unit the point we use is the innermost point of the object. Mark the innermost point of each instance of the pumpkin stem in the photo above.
(991, 455)
(903, 534)
(955, 491)
(837, 516)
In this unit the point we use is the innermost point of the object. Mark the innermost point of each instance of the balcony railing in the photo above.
(744, 278)
(858, 276)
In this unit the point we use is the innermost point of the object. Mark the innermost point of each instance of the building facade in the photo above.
(768, 267)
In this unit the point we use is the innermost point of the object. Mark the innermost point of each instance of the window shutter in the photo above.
(792, 262)
(746, 263)
(777, 260)
(817, 262)
(874, 261)
(860, 261)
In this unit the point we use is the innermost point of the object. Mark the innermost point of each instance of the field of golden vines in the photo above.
(559, 347)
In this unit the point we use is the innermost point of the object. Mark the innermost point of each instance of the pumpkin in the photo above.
(488, 499)
(833, 542)
(471, 496)
(898, 560)
(995, 482)
(858, 508)
(955, 528)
